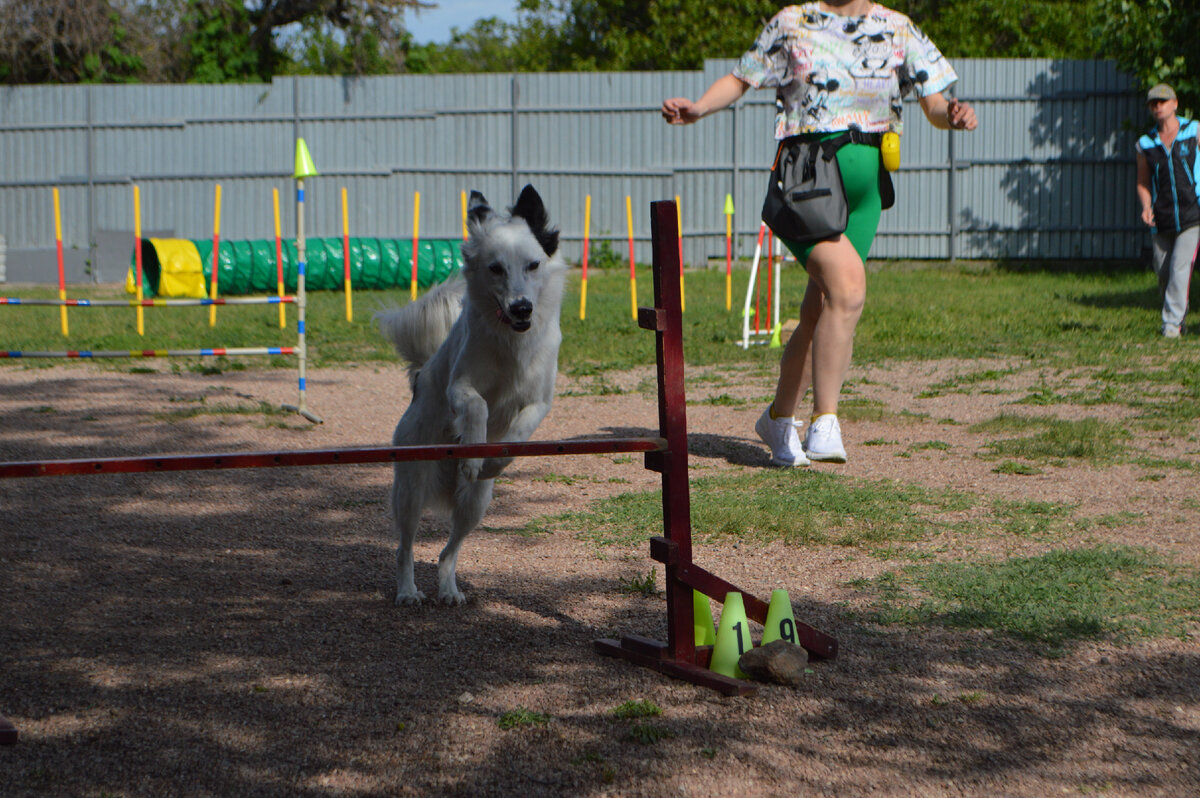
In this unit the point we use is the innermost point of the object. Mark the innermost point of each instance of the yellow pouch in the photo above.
(889, 150)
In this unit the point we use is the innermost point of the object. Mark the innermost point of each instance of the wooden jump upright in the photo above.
(679, 656)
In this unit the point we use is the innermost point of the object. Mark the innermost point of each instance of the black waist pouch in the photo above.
(806, 199)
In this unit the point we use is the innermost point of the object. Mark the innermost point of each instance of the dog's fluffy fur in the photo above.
(483, 357)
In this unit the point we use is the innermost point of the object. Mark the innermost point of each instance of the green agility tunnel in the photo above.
(174, 267)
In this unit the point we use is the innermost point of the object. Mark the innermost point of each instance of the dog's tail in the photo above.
(417, 329)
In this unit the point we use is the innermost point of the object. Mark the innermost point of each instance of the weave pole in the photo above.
(278, 256)
(680, 657)
(679, 234)
(587, 220)
(62, 280)
(216, 260)
(750, 288)
(346, 256)
(728, 252)
(416, 241)
(632, 270)
(304, 168)
(137, 258)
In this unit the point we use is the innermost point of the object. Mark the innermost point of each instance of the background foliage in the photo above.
(215, 41)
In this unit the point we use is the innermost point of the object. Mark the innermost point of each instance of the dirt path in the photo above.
(231, 633)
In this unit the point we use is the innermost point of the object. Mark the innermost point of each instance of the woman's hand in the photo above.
(724, 92)
(948, 114)
(961, 116)
(679, 111)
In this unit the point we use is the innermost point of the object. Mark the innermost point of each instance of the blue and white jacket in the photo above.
(1173, 177)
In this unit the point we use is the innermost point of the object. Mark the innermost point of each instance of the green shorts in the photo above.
(860, 175)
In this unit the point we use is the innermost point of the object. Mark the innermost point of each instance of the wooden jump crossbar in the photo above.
(679, 656)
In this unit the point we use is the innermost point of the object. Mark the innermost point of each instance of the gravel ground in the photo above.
(232, 633)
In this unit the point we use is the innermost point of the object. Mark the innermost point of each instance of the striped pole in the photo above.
(587, 222)
(770, 268)
(156, 302)
(88, 354)
(750, 287)
(278, 257)
(632, 270)
(62, 280)
(416, 235)
(137, 258)
(212, 311)
(777, 331)
(304, 168)
(346, 255)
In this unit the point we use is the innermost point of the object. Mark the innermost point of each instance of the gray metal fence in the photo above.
(1049, 174)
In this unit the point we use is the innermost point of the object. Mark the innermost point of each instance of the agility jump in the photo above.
(667, 454)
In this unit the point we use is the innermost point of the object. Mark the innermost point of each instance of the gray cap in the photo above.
(1160, 92)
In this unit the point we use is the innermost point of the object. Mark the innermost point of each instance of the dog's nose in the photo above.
(521, 310)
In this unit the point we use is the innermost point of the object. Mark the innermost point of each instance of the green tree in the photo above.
(69, 41)
(1156, 41)
(649, 34)
(1006, 28)
(218, 44)
(489, 45)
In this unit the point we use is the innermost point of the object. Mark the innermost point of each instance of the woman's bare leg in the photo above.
(819, 352)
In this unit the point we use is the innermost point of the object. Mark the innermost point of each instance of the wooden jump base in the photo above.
(8, 732)
(679, 656)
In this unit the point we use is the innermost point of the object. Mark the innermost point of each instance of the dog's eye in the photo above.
(532, 266)
(496, 268)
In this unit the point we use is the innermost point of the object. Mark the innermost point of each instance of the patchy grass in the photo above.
(637, 709)
(798, 508)
(1113, 592)
(522, 717)
(1092, 440)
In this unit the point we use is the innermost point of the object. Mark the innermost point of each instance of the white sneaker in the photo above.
(1170, 331)
(780, 435)
(823, 441)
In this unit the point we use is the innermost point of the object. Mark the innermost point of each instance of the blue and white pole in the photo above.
(304, 168)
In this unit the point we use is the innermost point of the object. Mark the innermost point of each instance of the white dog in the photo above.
(483, 357)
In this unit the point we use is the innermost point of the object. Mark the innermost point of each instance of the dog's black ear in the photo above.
(530, 208)
(478, 209)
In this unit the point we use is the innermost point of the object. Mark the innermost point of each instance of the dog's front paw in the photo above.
(451, 596)
(469, 469)
(407, 598)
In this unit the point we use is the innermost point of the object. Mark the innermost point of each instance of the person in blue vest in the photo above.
(1167, 173)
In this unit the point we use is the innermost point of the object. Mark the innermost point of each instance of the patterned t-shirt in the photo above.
(835, 73)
